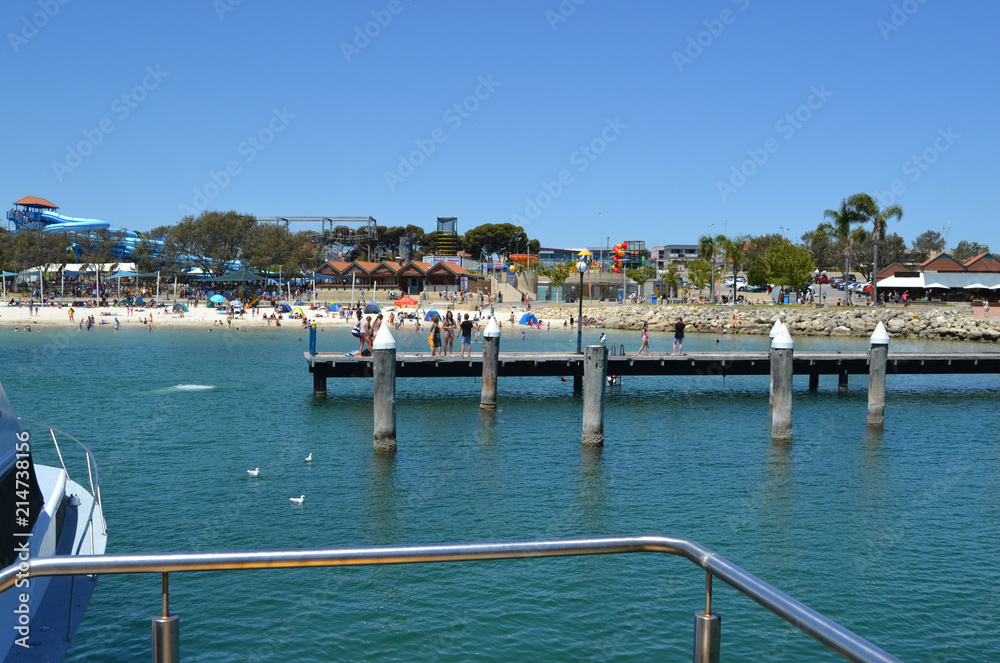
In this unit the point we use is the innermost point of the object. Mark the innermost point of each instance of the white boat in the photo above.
(44, 513)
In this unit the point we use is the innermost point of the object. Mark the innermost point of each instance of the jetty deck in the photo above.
(542, 364)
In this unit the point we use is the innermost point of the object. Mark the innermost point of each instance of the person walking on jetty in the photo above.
(449, 334)
(645, 339)
(679, 337)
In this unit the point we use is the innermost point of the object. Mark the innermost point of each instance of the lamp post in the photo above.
(816, 274)
(582, 268)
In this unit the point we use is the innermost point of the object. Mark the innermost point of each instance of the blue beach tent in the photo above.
(432, 312)
(333, 307)
(529, 318)
(284, 308)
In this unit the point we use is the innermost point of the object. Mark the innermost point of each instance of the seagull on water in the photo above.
(297, 500)
(309, 458)
(253, 473)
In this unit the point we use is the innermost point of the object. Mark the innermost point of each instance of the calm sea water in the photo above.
(893, 534)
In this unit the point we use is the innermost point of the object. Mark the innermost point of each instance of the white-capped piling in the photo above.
(491, 365)
(778, 324)
(384, 372)
(878, 359)
(782, 357)
(595, 377)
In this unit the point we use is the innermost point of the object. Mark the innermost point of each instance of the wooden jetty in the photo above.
(781, 363)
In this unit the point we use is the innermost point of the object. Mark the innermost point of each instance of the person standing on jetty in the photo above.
(449, 334)
(645, 339)
(679, 337)
(435, 334)
(466, 327)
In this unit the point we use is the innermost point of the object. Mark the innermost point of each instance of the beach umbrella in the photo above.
(372, 307)
(529, 319)
(218, 299)
(432, 312)
(406, 301)
(333, 307)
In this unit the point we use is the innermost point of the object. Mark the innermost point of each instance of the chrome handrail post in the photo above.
(166, 631)
(707, 629)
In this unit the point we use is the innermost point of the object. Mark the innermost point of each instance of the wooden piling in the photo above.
(319, 382)
(384, 373)
(595, 370)
(782, 357)
(775, 328)
(879, 356)
(842, 382)
(491, 365)
(813, 381)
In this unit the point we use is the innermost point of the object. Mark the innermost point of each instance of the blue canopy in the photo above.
(122, 275)
(333, 307)
(372, 307)
(6, 274)
(529, 318)
(427, 317)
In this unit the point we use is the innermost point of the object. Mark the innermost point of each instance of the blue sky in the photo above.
(662, 118)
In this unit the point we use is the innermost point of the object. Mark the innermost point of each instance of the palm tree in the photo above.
(868, 209)
(709, 247)
(735, 250)
(839, 225)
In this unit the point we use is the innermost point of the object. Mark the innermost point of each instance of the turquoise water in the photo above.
(895, 535)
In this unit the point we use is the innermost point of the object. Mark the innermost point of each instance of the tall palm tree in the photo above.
(709, 245)
(840, 225)
(735, 250)
(869, 210)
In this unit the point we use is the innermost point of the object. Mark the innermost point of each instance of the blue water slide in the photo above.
(58, 222)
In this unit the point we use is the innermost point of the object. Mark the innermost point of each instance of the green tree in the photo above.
(893, 251)
(700, 272)
(789, 265)
(557, 273)
(214, 240)
(821, 246)
(927, 245)
(841, 226)
(869, 209)
(641, 275)
(671, 279)
(498, 239)
(965, 250)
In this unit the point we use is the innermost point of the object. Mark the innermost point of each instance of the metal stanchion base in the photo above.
(166, 639)
(707, 637)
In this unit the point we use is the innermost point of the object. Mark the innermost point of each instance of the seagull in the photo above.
(297, 500)
(603, 338)
(309, 458)
(253, 473)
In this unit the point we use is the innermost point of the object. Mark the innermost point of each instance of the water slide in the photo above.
(55, 222)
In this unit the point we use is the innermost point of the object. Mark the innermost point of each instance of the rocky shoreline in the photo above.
(939, 322)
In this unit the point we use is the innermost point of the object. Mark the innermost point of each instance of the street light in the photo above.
(582, 268)
(816, 275)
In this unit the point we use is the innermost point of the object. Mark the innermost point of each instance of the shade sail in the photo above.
(937, 286)
(242, 275)
(975, 286)
(122, 275)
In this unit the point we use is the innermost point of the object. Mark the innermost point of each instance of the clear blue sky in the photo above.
(331, 114)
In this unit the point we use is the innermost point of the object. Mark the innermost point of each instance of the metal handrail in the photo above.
(94, 476)
(823, 629)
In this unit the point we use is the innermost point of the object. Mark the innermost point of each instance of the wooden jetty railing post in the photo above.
(778, 324)
(384, 372)
(595, 371)
(879, 356)
(491, 365)
(781, 376)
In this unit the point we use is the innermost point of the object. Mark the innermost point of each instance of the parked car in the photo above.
(822, 278)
